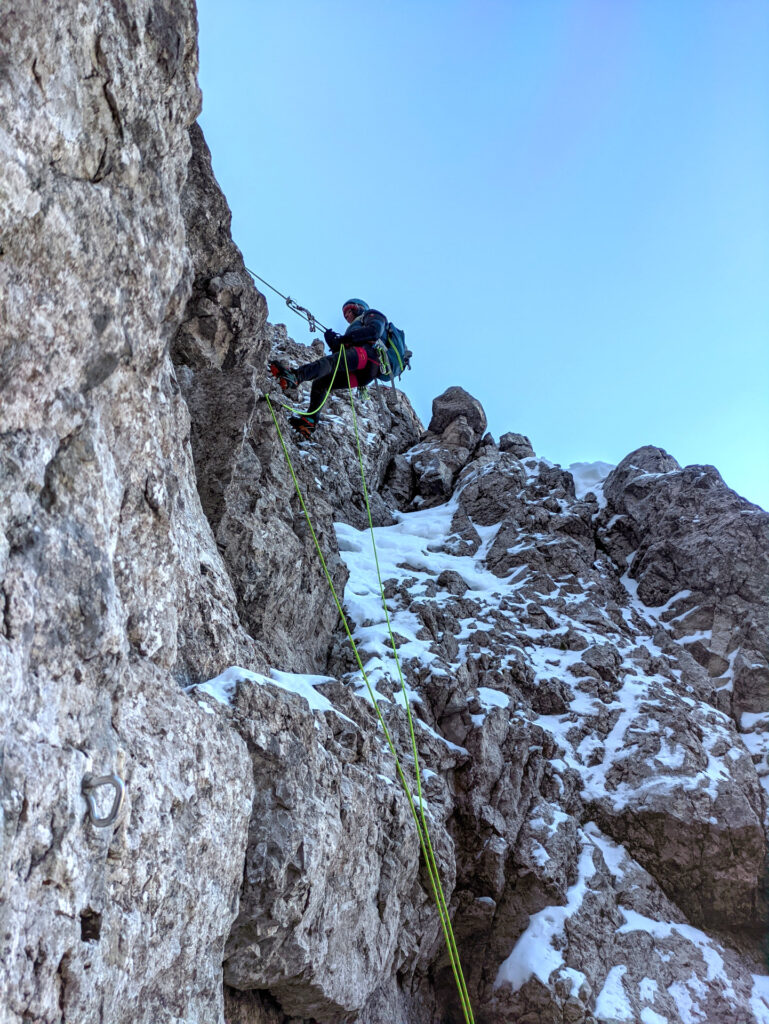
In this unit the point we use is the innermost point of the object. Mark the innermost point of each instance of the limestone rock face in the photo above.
(221, 351)
(578, 704)
(516, 444)
(711, 580)
(330, 901)
(109, 575)
(586, 676)
(455, 430)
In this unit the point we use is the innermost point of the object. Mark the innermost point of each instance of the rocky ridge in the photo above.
(587, 670)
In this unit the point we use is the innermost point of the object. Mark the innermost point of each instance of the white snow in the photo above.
(492, 698)
(613, 854)
(708, 948)
(535, 953)
(647, 990)
(539, 854)
(678, 596)
(304, 685)
(685, 1004)
(759, 998)
(649, 1016)
(589, 476)
(670, 755)
(612, 1002)
(575, 978)
(748, 720)
(222, 687)
(411, 548)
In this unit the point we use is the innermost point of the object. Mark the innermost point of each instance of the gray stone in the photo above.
(723, 564)
(454, 403)
(517, 444)
(577, 678)
(643, 462)
(325, 915)
(105, 604)
(489, 487)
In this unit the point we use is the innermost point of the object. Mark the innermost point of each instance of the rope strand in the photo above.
(313, 412)
(420, 820)
(432, 864)
(292, 304)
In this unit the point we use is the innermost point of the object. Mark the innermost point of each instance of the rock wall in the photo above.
(109, 575)
(587, 672)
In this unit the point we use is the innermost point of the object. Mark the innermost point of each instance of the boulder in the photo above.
(454, 403)
(517, 444)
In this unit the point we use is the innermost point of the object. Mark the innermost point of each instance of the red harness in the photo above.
(363, 360)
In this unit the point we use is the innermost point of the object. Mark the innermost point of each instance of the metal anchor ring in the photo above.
(91, 782)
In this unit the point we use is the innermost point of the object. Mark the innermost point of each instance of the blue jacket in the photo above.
(365, 329)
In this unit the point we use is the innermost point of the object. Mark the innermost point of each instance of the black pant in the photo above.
(362, 363)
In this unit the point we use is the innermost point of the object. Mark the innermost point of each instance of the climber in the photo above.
(366, 327)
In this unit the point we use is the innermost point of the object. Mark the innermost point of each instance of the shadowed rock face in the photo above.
(220, 352)
(587, 676)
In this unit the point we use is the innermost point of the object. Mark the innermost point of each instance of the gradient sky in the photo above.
(564, 203)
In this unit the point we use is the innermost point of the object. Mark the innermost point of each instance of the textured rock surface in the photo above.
(220, 353)
(723, 564)
(588, 676)
(587, 725)
(330, 902)
(103, 542)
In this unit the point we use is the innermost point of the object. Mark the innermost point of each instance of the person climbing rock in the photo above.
(366, 327)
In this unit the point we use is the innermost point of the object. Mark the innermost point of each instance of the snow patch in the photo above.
(649, 1016)
(613, 854)
(759, 998)
(708, 949)
(612, 1003)
(535, 952)
(222, 687)
(589, 476)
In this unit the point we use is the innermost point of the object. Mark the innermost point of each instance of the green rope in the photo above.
(313, 412)
(429, 852)
(421, 826)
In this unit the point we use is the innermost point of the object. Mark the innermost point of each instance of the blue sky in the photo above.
(564, 203)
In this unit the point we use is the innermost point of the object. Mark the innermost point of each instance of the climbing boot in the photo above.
(287, 379)
(304, 426)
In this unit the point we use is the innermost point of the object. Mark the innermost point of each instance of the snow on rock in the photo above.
(323, 915)
(515, 632)
(583, 649)
(537, 953)
(589, 476)
(611, 1002)
(224, 686)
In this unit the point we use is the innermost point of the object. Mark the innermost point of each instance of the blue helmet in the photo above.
(356, 302)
